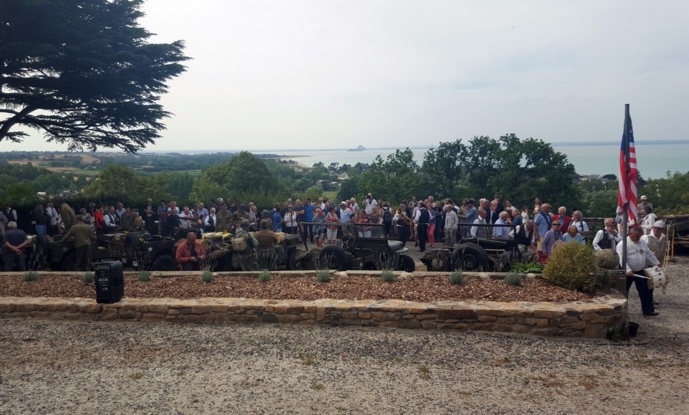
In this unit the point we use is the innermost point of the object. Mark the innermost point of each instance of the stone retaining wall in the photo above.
(578, 319)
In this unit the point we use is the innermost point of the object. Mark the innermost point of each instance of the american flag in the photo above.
(628, 170)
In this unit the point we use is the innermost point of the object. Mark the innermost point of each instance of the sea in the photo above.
(654, 159)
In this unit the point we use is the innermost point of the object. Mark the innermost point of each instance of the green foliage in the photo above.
(517, 169)
(323, 275)
(314, 192)
(83, 73)
(457, 277)
(207, 276)
(572, 266)
(31, 276)
(243, 178)
(669, 195)
(265, 276)
(144, 276)
(394, 178)
(527, 267)
(512, 278)
(89, 277)
(388, 276)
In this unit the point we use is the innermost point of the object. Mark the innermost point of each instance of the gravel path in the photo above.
(57, 367)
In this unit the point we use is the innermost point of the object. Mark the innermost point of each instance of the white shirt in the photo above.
(475, 229)
(615, 238)
(581, 226)
(370, 205)
(451, 220)
(184, 221)
(637, 254)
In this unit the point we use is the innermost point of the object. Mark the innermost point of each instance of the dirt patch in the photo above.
(307, 288)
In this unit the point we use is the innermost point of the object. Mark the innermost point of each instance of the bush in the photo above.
(89, 277)
(207, 276)
(457, 277)
(572, 266)
(513, 278)
(31, 276)
(323, 275)
(264, 276)
(144, 276)
(388, 276)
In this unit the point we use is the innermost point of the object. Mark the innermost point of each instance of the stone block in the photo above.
(269, 318)
(459, 314)
(487, 318)
(320, 313)
(109, 313)
(595, 331)
(432, 316)
(200, 309)
(365, 315)
(588, 316)
(350, 315)
(90, 308)
(429, 325)
(389, 324)
(410, 324)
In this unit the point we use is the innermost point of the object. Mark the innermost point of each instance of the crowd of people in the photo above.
(426, 222)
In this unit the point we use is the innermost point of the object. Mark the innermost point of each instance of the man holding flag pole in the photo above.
(633, 251)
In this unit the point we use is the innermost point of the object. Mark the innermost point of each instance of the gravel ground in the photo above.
(61, 367)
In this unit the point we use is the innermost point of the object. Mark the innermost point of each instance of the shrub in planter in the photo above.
(573, 266)
(607, 259)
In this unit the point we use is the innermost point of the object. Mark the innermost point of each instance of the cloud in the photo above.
(319, 74)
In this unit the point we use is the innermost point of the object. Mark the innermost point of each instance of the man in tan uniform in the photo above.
(82, 235)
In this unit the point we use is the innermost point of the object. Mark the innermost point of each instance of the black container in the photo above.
(109, 282)
(633, 329)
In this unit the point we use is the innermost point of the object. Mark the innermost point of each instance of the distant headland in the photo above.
(360, 148)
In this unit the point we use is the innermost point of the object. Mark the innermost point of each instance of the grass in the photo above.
(136, 376)
(265, 276)
(89, 277)
(307, 359)
(424, 373)
(144, 276)
(31, 276)
(388, 276)
(323, 275)
(457, 278)
(513, 278)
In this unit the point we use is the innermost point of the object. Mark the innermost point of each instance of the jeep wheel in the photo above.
(406, 264)
(334, 257)
(471, 257)
(164, 263)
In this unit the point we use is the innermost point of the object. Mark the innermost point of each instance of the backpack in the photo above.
(387, 216)
(239, 243)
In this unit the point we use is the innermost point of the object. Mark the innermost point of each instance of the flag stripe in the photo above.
(629, 172)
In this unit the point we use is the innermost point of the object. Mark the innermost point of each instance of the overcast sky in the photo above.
(285, 74)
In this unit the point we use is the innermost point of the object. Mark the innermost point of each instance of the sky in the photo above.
(286, 74)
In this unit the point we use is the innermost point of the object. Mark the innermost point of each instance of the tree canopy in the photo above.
(83, 73)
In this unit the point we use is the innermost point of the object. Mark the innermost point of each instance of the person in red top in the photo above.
(562, 217)
(99, 220)
(190, 253)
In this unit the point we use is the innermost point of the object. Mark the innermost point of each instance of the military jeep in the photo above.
(475, 254)
(219, 256)
(362, 246)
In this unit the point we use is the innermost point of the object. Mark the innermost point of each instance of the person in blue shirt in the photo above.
(308, 217)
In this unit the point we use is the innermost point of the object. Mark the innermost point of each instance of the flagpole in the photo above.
(625, 209)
